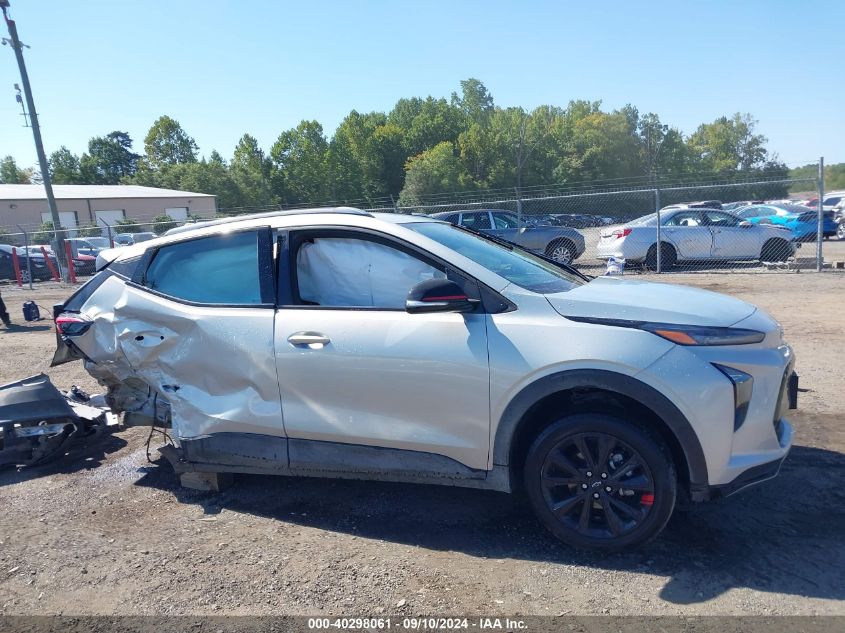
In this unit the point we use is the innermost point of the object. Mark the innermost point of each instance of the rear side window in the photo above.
(125, 267)
(222, 269)
(78, 299)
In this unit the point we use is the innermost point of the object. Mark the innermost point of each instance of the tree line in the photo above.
(421, 147)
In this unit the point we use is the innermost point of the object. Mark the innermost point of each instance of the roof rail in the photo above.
(266, 214)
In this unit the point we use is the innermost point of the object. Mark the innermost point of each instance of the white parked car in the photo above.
(695, 234)
(339, 343)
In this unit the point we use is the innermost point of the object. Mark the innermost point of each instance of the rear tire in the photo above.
(840, 230)
(775, 250)
(572, 463)
(668, 257)
(561, 251)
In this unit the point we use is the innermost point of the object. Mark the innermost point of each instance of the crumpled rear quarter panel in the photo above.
(214, 365)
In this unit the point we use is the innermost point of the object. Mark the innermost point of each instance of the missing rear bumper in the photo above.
(37, 421)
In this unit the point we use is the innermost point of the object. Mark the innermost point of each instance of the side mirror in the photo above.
(438, 295)
(746, 224)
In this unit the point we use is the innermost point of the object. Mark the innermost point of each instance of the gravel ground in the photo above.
(105, 532)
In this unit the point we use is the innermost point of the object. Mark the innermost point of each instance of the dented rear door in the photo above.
(196, 326)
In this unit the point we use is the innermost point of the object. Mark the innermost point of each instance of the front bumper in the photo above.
(754, 475)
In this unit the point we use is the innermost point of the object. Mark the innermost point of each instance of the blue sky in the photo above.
(225, 68)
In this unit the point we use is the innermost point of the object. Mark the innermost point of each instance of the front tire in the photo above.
(599, 482)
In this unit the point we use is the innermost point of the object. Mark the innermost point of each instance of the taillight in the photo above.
(72, 325)
(620, 233)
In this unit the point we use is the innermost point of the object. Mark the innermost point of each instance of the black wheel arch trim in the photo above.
(624, 385)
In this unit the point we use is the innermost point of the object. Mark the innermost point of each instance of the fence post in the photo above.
(53, 270)
(518, 207)
(28, 259)
(108, 228)
(820, 218)
(16, 264)
(657, 211)
(71, 268)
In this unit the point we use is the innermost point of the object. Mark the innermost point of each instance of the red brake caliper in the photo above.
(647, 499)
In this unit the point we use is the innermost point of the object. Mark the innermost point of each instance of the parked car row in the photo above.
(31, 261)
(801, 221)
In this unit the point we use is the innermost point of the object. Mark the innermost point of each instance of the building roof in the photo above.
(90, 192)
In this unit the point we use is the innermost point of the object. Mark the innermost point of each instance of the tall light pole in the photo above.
(16, 45)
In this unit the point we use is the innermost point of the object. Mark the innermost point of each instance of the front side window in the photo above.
(715, 218)
(505, 221)
(222, 269)
(348, 272)
(684, 218)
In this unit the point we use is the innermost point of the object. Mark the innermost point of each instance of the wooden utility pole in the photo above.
(16, 45)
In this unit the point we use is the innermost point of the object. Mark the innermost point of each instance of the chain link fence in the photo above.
(712, 227)
(750, 226)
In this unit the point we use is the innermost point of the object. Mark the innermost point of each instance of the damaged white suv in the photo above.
(340, 343)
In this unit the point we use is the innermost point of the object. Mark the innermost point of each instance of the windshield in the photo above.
(514, 264)
(98, 242)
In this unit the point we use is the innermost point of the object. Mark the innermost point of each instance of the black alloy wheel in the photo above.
(598, 482)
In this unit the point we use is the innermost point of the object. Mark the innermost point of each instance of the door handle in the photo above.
(308, 338)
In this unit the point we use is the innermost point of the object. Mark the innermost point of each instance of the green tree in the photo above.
(834, 177)
(518, 135)
(89, 230)
(595, 145)
(475, 101)
(250, 171)
(367, 157)
(109, 160)
(168, 144)
(5, 238)
(11, 174)
(128, 225)
(437, 170)
(163, 223)
(300, 164)
(729, 144)
(425, 123)
(44, 234)
(65, 167)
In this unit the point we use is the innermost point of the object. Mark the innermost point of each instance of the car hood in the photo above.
(633, 300)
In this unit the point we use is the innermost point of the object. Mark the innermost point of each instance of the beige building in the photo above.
(83, 205)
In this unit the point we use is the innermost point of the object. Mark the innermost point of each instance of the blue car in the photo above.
(801, 221)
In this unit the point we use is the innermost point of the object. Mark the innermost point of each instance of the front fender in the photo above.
(662, 407)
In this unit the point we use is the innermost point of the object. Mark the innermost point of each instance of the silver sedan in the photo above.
(695, 235)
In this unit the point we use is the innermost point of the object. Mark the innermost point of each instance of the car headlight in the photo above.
(696, 335)
(743, 384)
(684, 334)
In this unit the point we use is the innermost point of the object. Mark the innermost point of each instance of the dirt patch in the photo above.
(103, 531)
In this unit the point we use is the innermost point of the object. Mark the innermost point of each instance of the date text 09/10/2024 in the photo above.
(416, 624)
